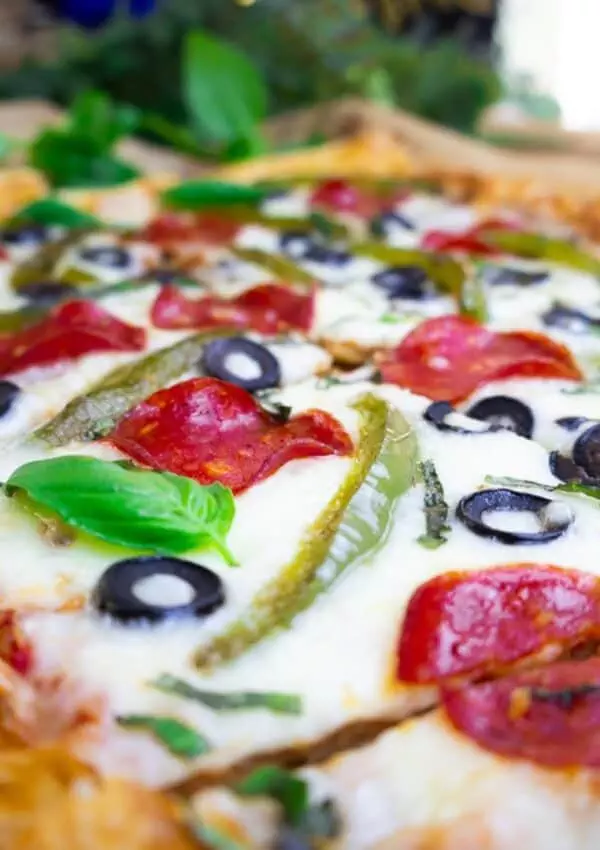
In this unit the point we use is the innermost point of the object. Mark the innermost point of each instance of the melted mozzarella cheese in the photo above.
(341, 672)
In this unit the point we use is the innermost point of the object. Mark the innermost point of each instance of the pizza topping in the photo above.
(572, 423)
(94, 415)
(549, 716)
(242, 362)
(179, 739)
(47, 293)
(435, 508)
(107, 256)
(382, 225)
(268, 309)
(571, 320)
(9, 393)
(278, 267)
(354, 525)
(342, 197)
(539, 247)
(50, 211)
(440, 414)
(507, 276)
(200, 194)
(277, 703)
(449, 357)
(296, 244)
(445, 242)
(586, 452)
(15, 648)
(72, 330)
(404, 282)
(25, 235)
(505, 412)
(132, 507)
(477, 623)
(211, 431)
(483, 510)
(207, 228)
(181, 589)
(445, 273)
(43, 264)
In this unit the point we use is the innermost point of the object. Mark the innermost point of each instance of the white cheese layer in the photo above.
(337, 656)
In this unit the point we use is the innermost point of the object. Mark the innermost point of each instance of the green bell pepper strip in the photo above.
(538, 247)
(41, 266)
(93, 415)
(282, 269)
(446, 273)
(352, 527)
(472, 301)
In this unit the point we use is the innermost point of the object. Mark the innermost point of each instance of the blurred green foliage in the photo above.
(306, 50)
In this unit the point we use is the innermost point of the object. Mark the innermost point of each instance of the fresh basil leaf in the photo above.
(71, 160)
(137, 508)
(278, 703)
(281, 785)
(224, 92)
(198, 194)
(54, 212)
(179, 739)
(94, 114)
(435, 508)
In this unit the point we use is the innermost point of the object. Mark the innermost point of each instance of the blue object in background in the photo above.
(94, 13)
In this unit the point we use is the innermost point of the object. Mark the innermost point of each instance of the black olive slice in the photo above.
(45, 293)
(9, 393)
(328, 256)
(382, 224)
(217, 353)
(437, 415)
(296, 244)
(572, 423)
(504, 412)
(567, 470)
(115, 594)
(586, 451)
(28, 235)
(472, 510)
(514, 277)
(109, 256)
(570, 319)
(404, 282)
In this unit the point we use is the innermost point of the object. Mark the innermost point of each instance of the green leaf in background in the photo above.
(95, 115)
(138, 508)
(278, 703)
(179, 739)
(54, 212)
(199, 194)
(224, 91)
(69, 160)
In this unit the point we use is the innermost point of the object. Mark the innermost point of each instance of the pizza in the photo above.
(300, 516)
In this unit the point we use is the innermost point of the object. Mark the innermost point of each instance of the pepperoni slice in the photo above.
(15, 648)
(268, 309)
(447, 358)
(206, 228)
(549, 716)
(210, 430)
(70, 331)
(342, 197)
(471, 241)
(477, 623)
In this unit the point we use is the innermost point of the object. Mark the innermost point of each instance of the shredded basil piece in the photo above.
(435, 508)
(281, 785)
(278, 703)
(179, 739)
